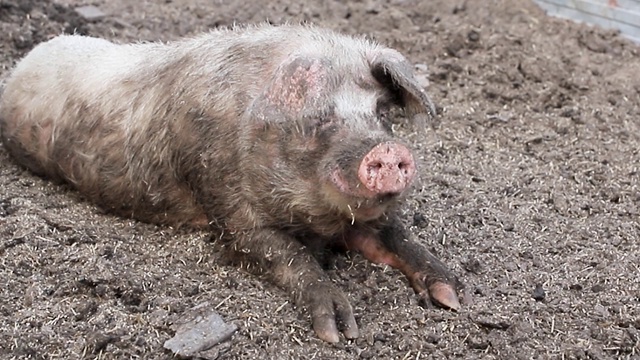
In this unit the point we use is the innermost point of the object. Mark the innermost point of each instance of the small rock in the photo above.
(423, 80)
(602, 311)
(367, 354)
(473, 265)
(538, 293)
(121, 24)
(90, 13)
(511, 266)
(473, 36)
(492, 323)
(421, 68)
(85, 310)
(432, 338)
(98, 341)
(575, 287)
(380, 337)
(477, 343)
(419, 220)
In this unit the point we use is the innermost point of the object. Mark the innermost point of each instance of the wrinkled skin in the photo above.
(274, 137)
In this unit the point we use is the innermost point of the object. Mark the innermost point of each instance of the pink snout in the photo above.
(387, 169)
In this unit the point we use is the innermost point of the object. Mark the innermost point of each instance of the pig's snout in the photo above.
(387, 169)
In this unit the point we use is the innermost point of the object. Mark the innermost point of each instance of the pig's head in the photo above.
(335, 147)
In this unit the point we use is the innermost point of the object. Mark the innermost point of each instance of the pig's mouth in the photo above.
(358, 191)
(358, 202)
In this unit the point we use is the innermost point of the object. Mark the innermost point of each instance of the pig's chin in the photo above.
(345, 187)
(355, 201)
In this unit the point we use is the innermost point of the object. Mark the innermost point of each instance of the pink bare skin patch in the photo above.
(300, 84)
(387, 169)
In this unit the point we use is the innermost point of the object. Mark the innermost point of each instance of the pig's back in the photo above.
(72, 110)
(67, 63)
(39, 88)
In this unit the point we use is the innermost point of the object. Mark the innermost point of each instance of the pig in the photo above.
(276, 138)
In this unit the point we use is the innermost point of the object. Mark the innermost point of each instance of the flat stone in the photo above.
(202, 330)
(90, 13)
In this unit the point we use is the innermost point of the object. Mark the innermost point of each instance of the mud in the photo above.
(531, 195)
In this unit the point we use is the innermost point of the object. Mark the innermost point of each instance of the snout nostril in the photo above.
(404, 168)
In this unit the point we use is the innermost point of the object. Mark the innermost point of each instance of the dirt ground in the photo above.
(531, 194)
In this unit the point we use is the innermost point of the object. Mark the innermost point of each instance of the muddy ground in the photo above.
(531, 194)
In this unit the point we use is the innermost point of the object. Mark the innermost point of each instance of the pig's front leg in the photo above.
(292, 267)
(393, 246)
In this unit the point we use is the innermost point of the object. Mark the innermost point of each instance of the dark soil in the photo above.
(531, 194)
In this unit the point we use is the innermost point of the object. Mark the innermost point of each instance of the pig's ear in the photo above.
(296, 88)
(393, 71)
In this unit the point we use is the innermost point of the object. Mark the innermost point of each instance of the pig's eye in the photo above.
(323, 122)
(383, 110)
(383, 107)
(318, 124)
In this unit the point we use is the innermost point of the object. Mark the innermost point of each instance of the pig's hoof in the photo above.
(442, 294)
(329, 308)
(437, 290)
